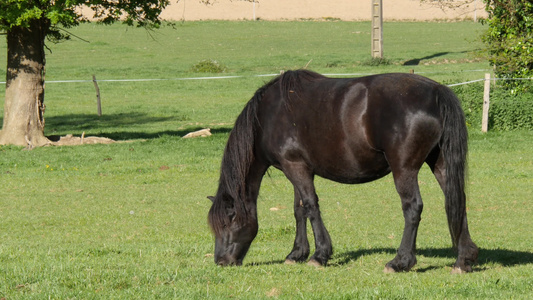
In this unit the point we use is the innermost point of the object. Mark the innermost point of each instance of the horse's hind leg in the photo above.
(300, 250)
(466, 249)
(302, 179)
(406, 181)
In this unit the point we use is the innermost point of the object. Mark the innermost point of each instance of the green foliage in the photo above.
(511, 112)
(471, 96)
(509, 39)
(507, 111)
(67, 13)
(208, 66)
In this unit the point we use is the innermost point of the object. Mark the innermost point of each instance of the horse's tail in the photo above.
(454, 146)
(236, 161)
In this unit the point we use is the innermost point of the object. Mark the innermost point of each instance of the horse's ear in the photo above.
(211, 198)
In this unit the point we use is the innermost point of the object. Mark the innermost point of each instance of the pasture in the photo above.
(129, 220)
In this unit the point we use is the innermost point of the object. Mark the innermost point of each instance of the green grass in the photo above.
(129, 220)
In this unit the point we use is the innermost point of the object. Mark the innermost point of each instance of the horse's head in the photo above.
(233, 234)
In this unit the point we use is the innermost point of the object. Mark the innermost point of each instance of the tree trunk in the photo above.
(24, 102)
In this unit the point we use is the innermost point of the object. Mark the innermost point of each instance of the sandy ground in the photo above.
(349, 10)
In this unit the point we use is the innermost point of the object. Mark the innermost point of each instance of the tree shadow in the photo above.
(138, 135)
(92, 124)
(416, 61)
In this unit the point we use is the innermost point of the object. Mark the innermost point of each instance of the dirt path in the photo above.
(190, 10)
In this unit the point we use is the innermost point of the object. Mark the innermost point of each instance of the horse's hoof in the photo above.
(388, 270)
(314, 263)
(290, 262)
(456, 270)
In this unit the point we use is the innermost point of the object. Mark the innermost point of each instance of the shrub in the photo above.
(471, 96)
(509, 39)
(507, 111)
(510, 112)
(208, 66)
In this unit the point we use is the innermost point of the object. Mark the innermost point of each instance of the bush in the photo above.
(510, 112)
(208, 66)
(507, 111)
(471, 96)
(509, 39)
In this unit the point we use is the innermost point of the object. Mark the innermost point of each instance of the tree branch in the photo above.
(449, 4)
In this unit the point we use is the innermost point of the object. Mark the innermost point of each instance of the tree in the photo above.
(509, 38)
(27, 25)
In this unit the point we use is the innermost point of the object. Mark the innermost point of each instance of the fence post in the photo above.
(486, 102)
(254, 10)
(98, 102)
(377, 29)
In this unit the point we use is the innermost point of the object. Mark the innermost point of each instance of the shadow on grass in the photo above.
(504, 257)
(416, 61)
(137, 135)
(107, 125)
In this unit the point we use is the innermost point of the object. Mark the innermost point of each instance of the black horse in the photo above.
(351, 130)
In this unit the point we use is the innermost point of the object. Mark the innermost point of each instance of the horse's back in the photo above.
(343, 128)
(402, 108)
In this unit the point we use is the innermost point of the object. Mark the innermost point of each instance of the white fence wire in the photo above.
(261, 75)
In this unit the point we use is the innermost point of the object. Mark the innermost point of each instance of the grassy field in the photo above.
(128, 220)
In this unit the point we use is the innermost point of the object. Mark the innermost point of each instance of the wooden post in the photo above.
(98, 102)
(486, 102)
(377, 28)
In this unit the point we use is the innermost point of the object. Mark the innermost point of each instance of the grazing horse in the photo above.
(349, 130)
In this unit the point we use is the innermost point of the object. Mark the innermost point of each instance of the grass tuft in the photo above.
(208, 66)
(377, 61)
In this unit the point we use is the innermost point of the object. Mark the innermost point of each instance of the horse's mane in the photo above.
(239, 152)
(236, 161)
(291, 81)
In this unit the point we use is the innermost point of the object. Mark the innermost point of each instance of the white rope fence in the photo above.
(467, 82)
(236, 76)
(266, 75)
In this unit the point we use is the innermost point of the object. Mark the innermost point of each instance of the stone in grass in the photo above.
(200, 133)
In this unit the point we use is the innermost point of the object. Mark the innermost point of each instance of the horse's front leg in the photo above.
(300, 250)
(302, 179)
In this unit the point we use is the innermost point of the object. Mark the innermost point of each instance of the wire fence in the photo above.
(267, 75)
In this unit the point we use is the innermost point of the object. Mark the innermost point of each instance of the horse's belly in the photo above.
(353, 171)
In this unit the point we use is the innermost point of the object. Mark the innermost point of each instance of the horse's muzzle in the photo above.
(226, 261)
